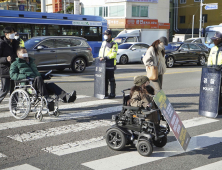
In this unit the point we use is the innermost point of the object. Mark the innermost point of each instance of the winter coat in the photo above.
(20, 69)
(7, 49)
(139, 100)
(151, 59)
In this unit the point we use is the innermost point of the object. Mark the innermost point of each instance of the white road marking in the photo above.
(69, 116)
(60, 130)
(2, 155)
(75, 105)
(82, 96)
(95, 143)
(76, 146)
(212, 166)
(22, 167)
(133, 158)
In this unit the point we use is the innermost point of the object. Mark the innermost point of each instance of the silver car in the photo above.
(60, 52)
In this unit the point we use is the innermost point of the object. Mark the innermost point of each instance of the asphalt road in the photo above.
(74, 140)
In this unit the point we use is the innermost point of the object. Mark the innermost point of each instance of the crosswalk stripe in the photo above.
(69, 116)
(2, 155)
(75, 105)
(99, 142)
(22, 167)
(212, 166)
(60, 130)
(132, 159)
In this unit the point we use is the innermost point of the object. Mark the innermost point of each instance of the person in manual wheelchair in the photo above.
(139, 122)
(24, 68)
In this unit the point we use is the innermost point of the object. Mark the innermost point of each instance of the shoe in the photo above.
(71, 97)
(111, 96)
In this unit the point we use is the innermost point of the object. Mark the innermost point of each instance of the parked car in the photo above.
(60, 52)
(131, 52)
(181, 52)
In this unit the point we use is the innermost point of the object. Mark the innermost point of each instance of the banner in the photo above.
(142, 23)
(209, 92)
(151, 1)
(172, 119)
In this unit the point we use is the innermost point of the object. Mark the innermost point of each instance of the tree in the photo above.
(69, 9)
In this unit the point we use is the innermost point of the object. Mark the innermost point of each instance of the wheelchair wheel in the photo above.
(19, 104)
(144, 148)
(38, 116)
(115, 139)
(160, 142)
(56, 113)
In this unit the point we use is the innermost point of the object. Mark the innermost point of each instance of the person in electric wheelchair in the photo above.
(139, 121)
(31, 93)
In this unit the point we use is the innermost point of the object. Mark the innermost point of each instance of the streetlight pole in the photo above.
(200, 29)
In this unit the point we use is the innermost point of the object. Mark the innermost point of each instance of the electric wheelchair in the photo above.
(25, 99)
(132, 128)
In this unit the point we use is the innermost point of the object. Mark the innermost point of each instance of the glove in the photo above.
(218, 68)
(28, 77)
(46, 77)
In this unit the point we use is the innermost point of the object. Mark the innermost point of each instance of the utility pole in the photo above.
(200, 29)
(192, 25)
(64, 6)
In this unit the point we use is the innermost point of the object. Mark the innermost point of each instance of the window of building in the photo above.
(182, 19)
(204, 18)
(139, 11)
(117, 11)
(183, 1)
(97, 11)
(198, 0)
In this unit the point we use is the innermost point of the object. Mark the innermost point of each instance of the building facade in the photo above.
(188, 8)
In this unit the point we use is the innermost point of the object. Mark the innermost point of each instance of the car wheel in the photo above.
(170, 62)
(123, 59)
(60, 69)
(78, 65)
(202, 61)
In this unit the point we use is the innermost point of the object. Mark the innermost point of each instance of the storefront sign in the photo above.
(172, 119)
(86, 23)
(142, 23)
(116, 23)
(164, 25)
(21, 7)
(151, 1)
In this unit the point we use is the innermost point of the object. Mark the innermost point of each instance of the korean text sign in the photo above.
(172, 119)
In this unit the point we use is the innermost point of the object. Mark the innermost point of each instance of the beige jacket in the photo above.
(151, 59)
(138, 101)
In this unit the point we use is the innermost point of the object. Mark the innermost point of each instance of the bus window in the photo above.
(24, 29)
(53, 30)
(70, 30)
(39, 30)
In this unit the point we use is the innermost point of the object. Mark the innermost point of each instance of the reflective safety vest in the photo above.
(109, 50)
(21, 43)
(213, 55)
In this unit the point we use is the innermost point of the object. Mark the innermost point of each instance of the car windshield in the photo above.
(119, 40)
(124, 46)
(31, 43)
(172, 46)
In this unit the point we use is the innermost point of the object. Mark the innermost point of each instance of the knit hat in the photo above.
(164, 40)
(139, 80)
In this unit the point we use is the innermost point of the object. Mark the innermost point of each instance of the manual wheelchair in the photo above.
(132, 127)
(25, 99)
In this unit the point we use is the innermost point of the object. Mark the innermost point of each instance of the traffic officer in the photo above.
(108, 52)
(21, 42)
(215, 57)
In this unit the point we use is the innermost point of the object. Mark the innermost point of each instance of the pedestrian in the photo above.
(108, 52)
(21, 42)
(215, 57)
(8, 48)
(155, 56)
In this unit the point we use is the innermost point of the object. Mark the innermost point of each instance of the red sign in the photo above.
(164, 25)
(142, 23)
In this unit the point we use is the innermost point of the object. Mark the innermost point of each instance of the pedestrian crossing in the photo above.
(93, 140)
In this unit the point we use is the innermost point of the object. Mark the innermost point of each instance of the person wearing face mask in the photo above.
(24, 68)
(108, 52)
(155, 56)
(8, 48)
(21, 42)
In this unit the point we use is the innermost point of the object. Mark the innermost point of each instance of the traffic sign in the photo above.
(211, 6)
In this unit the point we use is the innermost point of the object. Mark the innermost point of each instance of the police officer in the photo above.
(21, 42)
(215, 57)
(108, 52)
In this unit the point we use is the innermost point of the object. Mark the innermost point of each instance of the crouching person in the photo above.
(24, 67)
(141, 96)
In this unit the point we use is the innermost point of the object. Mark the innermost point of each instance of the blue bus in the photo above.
(210, 32)
(32, 24)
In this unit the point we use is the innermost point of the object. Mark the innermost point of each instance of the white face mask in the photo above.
(11, 36)
(16, 37)
(25, 55)
(161, 46)
(105, 37)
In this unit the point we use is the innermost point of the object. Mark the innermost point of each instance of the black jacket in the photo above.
(7, 49)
